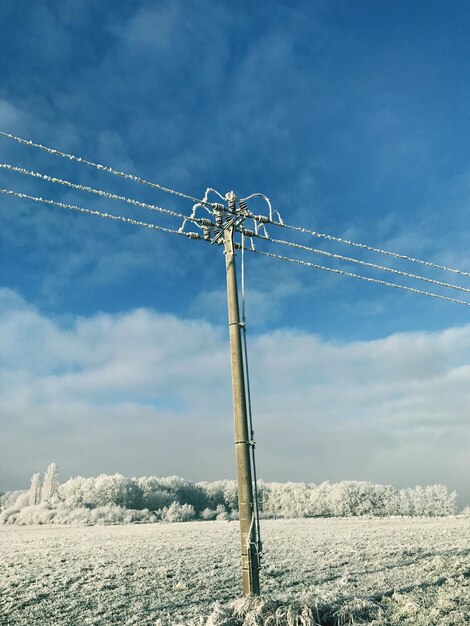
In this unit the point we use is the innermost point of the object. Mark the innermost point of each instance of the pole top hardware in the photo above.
(236, 218)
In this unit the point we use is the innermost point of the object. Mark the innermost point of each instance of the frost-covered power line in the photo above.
(383, 268)
(204, 202)
(99, 166)
(111, 216)
(204, 224)
(352, 275)
(371, 248)
(98, 192)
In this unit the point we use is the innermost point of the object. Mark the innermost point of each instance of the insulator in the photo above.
(249, 233)
(218, 219)
(204, 221)
(242, 206)
(232, 206)
(217, 206)
(207, 234)
(261, 218)
(193, 235)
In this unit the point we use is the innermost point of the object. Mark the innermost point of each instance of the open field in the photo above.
(404, 571)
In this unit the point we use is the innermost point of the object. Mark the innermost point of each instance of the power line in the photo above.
(370, 248)
(359, 276)
(110, 216)
(265, 220)
(103, 168)
(211, 205)
(360, 262)
(99, 192)
(192, 235)
(153, 207)
(205, 203)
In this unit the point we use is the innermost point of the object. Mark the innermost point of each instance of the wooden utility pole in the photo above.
(250, 559)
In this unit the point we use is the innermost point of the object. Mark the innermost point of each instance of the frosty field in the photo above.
(377, 571)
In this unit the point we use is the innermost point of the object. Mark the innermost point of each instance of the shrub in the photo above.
(177, 512)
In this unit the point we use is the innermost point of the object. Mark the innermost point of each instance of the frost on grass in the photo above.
(315, 611)
(251, 611)
(447, 605)
(254, 611)
(327, 572)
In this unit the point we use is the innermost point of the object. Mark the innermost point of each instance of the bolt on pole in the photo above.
(250, 559)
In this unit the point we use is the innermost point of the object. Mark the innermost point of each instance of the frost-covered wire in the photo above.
(111, 216)
(204, 202)
(98, 166)
(217, 193)
(364, 263)
(99, 192)
(348, 242)
(359, 276)
(268, 202)
(370, 248)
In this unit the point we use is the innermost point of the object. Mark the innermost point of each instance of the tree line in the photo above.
(117, 499)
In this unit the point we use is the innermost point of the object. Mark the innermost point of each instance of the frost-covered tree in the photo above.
(50, 485)
(351, 498)
(35, 489)
(112, 499)
(440, 501)
(185, 492)
(77, 492)
(117, 490)
(319, 500)
(177, 512)
(155, 496)
(158, 493)
(222, 492)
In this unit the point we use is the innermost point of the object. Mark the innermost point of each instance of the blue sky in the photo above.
(353, 118)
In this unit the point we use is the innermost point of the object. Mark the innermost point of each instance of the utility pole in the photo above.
(249, 548)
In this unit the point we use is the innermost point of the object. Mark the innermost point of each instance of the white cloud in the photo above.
(141, 392)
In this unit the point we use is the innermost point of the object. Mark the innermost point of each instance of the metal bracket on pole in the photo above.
(231, 223)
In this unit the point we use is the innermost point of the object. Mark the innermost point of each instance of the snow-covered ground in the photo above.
(412, 571)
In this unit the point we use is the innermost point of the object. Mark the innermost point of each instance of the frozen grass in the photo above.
(325, 571)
